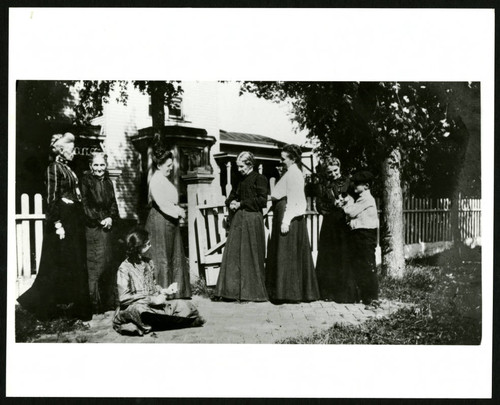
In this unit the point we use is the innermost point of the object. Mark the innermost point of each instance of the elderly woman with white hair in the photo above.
(242, 275)
(101, 213)
(61, 286)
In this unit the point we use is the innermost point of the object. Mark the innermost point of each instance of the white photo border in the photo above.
(254, 44)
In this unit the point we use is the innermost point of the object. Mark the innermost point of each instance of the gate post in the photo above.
(199, 190)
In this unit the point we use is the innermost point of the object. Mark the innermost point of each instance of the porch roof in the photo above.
(246, 138)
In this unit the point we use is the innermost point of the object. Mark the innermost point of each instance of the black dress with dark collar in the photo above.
(61, 288)
(333, 266)
(242, 275)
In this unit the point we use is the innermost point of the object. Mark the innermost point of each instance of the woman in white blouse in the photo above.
(162, 224)
(290, 274)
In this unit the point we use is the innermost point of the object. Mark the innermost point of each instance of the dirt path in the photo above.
(229, 322)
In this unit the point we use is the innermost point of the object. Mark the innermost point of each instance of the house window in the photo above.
(175, 110)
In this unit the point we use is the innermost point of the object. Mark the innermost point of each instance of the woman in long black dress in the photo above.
(167, 251)
(101, 211)
(290, 274)
(333, 266)
(61, 286)
(242, 270)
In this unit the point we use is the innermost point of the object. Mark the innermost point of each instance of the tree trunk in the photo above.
(392, 233)
(157, 92)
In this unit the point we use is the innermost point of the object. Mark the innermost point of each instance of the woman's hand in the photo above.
(107, 223)
(285, 228)
(182, 213)
(234, 205)
(339, 202)
(157, 300)
(60, 231)
(171, 289)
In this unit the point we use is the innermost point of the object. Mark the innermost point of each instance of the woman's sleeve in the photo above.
(125, 295)
(90, 212)
(52, 180)
(233, 195)
(295, 205)
(354, 208)
(157, 287)
(161, 198)
(323, 201)
(259, 199)
(113, 210)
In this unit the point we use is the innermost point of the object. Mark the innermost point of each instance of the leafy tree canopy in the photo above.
(94, 94)
(47, 107)
(362, 122)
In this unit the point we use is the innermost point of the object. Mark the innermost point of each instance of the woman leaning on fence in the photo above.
(242, 270)
(290, 274)
(61, 286)
(162, 224)
(101, 212)
(333, 266)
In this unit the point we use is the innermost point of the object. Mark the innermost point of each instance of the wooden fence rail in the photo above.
(426, 221)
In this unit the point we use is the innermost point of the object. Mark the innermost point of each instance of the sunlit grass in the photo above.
(445, 293)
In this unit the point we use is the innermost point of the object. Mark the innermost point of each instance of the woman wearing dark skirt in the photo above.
(61, 285)
(242, 270)
(99, 204)
(290, 275)
(167, 251)
(333, 266)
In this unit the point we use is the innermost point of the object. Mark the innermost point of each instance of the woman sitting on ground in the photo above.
(144, 305)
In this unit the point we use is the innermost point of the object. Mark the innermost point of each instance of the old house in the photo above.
(196, 132)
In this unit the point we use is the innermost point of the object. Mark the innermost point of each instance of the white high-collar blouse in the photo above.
(164, 194)
(291, 186)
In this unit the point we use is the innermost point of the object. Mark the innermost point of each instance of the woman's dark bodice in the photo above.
(99, 200)
(251, 192)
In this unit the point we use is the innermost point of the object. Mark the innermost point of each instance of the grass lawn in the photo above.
(445, 293)
(28, 328)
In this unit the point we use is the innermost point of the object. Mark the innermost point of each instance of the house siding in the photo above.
(120, 122)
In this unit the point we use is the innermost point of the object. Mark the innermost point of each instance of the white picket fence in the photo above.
(29, 234)
(426, 221)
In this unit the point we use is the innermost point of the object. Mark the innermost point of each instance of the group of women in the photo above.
(288, 273)
(76, 277)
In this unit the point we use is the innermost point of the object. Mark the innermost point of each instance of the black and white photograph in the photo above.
(224, 216)
(148, 217)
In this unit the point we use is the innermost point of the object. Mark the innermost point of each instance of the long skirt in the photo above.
(139, 318)
(333, 267)
(61, 286)
(167, 252)
(102, 278)
(242, 274)
(364, 243)
(290, 274)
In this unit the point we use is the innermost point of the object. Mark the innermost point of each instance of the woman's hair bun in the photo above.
(161, 153)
